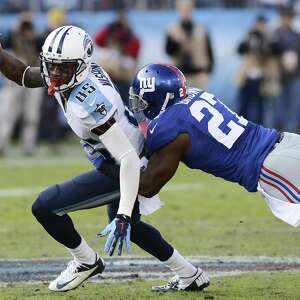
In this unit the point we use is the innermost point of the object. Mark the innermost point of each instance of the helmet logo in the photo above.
(147, 84)
(88, 45)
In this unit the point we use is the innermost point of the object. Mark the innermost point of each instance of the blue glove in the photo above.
(94, 156)
(117, 230)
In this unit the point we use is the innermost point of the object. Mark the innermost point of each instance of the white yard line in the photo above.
(20, 192)
(44, 162)
(32, 191)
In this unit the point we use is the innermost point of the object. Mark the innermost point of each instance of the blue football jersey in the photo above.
(222, 143)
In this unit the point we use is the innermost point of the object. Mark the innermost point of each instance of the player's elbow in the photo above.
(148, 188)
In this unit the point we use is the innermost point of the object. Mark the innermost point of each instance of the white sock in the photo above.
(178, 264)
(84, 253)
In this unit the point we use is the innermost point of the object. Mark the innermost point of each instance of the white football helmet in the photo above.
(68, 48)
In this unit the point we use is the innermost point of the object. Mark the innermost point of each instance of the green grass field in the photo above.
(202, 215)
(257, 286)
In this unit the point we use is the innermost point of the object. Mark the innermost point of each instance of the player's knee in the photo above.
(40, 207)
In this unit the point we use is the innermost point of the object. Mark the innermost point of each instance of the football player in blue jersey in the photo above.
(193, 126)
(95, 112)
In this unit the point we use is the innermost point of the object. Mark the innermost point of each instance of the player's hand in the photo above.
(118, 231)
(94, 156)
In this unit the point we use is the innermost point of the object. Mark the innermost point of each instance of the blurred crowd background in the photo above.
(246, 52)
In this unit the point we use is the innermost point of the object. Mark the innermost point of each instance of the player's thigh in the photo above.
(280, 174)
(88, 190)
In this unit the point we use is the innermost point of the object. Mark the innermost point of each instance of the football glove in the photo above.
(118, 231)
(94, 156)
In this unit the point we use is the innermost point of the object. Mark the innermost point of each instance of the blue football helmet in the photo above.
(155, 87)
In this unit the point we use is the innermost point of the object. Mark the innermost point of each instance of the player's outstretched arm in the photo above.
(163, 165)
(14, 69)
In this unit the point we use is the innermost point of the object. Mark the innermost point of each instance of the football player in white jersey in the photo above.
(95, 112)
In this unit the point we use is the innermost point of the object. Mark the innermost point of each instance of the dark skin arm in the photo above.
(13, 69)
(161, 167)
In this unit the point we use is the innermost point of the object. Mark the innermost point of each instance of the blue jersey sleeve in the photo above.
(163, 130)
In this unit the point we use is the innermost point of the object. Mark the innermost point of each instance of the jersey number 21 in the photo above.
(236, 128)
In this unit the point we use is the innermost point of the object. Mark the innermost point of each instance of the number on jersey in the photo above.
(84, 91)
(207, 103)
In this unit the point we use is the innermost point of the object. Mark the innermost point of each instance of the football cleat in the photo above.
(197, 282)
(75, 274)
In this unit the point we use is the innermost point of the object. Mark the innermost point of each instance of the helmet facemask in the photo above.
(61, 75)
(136, 102)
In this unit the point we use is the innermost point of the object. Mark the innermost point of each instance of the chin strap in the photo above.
(53, 85)
(169, 96)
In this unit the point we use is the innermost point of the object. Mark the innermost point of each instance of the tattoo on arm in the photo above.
(13, 69)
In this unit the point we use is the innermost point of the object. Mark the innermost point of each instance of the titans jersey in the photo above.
(222, 143)
(93, 102)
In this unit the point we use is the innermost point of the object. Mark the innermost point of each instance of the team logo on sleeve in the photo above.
(100, 108)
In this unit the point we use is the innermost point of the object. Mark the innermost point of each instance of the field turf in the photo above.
(203, 215)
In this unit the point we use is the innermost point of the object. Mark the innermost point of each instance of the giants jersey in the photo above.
(222, 143)
(92, 103)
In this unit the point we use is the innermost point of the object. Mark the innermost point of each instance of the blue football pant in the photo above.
(88, 190)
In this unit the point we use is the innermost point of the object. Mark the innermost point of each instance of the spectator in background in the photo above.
(119, 52)
(51, 131)
(189, 46)
(258, 74)
(286, 43)
(17, 102)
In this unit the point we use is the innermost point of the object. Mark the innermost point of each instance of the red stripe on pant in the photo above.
(277, 188)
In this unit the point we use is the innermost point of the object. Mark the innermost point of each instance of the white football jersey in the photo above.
(94, 102)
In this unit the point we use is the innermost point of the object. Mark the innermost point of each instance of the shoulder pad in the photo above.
(91, 101)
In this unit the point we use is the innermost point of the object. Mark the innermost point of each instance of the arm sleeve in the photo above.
(117, 143)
